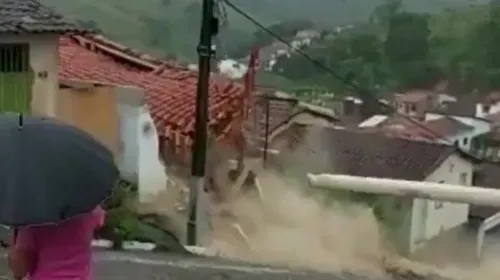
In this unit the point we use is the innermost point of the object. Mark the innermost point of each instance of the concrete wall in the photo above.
(140, 162)
(464, 139)
(44, 61)
(92, 108)
(129, 131)
(152, 176)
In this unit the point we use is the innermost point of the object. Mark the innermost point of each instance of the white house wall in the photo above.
(44, 59)
(129, 135)
(152, 176)
(464, 139)
(479, 127)
(450, 215)
(492, 109)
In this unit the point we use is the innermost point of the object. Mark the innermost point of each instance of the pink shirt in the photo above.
(63, 251)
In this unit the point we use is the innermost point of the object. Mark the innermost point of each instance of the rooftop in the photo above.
(414, 95)
(435, 127)
(371, 154)
(432, 130)
(21, 16)
(170, 89)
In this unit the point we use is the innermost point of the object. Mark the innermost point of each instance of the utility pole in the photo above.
(198, 220)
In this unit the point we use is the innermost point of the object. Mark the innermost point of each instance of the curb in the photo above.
(132, 245)
(129, 245)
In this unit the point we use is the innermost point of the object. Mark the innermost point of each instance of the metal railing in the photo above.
(485, 226)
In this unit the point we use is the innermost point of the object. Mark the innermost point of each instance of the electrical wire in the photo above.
(364, 94)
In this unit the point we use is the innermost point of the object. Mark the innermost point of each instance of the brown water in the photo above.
(285, 227)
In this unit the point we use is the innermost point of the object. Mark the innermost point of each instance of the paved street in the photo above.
(128, 266)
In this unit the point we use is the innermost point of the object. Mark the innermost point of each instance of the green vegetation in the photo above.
(399, 50)
(123, 224)
(171, 26)
(394, 44)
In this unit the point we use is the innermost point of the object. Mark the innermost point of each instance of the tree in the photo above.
(382, 15)
(366, 46)
(166, 3)
(158, 32)
(408, 38)
(90, 24)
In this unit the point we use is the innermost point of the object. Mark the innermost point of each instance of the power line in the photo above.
(364, 93)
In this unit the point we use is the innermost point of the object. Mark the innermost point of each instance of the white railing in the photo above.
(426, 190)
(486, 225)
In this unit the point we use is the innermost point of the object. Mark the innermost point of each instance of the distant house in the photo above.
(369, 154)
(282, 111)
(29, 55)
(415, 103)
(352, 111)
(488, 105)
(467, 133)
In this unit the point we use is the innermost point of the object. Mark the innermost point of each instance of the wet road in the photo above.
(134, 266)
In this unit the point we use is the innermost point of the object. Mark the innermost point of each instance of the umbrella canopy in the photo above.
(50, 171)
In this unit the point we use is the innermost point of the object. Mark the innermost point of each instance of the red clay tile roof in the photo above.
(367, 154)
(170, 90)
(374, 155)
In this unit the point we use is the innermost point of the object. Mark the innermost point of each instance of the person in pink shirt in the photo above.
(56, 252)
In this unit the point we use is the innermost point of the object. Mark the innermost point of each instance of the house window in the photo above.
(14, 58)
(463, 178)
(413, 107)
(466, 141)
(452, 166)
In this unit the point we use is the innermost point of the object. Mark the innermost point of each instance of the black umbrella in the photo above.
(50, 171)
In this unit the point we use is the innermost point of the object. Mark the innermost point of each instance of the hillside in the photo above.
(171, 26)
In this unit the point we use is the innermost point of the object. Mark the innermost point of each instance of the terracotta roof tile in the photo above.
(370, 154)
(170, 90)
